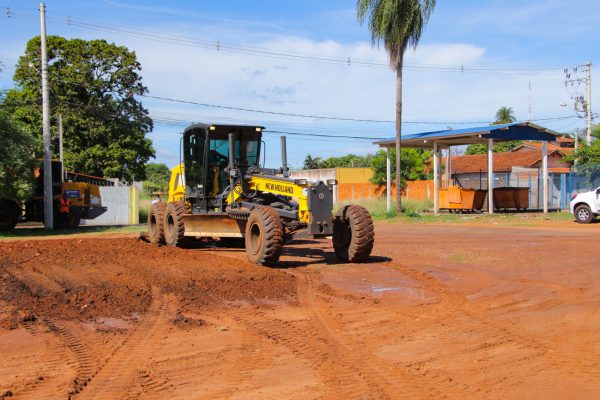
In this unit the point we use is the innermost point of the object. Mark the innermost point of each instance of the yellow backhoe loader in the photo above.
(83, 192)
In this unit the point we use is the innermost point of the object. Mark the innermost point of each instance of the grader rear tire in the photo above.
(264, 236)
(353, 234)
(156, 218)
(173, 224)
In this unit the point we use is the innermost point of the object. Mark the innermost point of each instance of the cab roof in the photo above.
(221, 127)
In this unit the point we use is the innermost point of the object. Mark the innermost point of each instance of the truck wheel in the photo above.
(264, 236)
(156, 217)
(173, 223)
(353, 234)
(74, 217)
(583, 214)
(9, 215)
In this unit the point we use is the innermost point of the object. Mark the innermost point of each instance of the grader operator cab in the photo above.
(220, 190)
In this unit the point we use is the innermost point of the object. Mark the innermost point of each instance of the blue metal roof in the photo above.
(479, 134)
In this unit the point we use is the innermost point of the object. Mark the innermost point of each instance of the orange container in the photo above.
(455, 198)
(507, 198)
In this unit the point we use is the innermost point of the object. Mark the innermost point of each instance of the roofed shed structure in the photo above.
(445, 139)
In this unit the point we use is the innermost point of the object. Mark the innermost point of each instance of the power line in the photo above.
(291, 56)
(324, 135)
(324, 117)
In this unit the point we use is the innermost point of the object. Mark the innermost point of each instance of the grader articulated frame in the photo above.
(219, 190)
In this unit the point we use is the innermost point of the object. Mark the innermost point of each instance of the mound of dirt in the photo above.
(89, 278)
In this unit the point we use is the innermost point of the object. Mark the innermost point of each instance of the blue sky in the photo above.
(547, 34)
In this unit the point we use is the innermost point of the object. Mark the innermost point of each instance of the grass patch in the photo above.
(414, 211)
(24, 232)
(144, 209)
(378, 208)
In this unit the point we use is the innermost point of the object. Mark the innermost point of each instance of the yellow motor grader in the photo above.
(219, 190)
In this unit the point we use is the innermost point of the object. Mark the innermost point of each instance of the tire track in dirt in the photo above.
(498, 331)
(83, 361)
(396, 381)
(345, 368)
(340, 379)
(126, 366)
(58, 355)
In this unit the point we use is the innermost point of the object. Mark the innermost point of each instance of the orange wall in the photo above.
(415, 190)
(418, 190)
(353, 183)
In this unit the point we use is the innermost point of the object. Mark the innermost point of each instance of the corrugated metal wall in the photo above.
(121, 202)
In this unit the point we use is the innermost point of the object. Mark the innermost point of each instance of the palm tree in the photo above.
(505, 115)
(399, 24)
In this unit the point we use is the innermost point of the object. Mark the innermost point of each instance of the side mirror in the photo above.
(598, 191)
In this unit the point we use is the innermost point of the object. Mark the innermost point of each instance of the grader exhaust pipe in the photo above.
(232, 172)
(284, 163)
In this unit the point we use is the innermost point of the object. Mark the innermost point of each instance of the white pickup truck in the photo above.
(586, 206)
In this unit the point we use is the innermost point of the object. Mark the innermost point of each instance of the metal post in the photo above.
(388, 179)
(563, 191)
(60, 148)
(284, 163)
(530, 192)
(588, 102)
(530, 100)
(48, 201)
(448, 167)
(436, 179)
(490, 176)
(545, 175)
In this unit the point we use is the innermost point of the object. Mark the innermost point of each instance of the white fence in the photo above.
(122, 206)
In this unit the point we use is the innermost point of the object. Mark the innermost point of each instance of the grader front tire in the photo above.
(173, 223)
(156, 217)
(353, 234)
(264, 236)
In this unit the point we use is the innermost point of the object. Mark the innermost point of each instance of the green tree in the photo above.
(312, 163)
(16, 159)
(414, 166)
(157, 177)
(347, 161)
(399, 24)
(93, 85)
(587, 154)
(504, 115)
(587, 157)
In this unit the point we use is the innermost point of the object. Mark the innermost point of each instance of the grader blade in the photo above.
(206, 225)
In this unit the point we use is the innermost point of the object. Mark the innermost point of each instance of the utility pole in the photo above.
(60, 148)
(48, 206)
(588, 101)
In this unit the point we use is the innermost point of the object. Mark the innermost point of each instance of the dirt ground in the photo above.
(441, 311)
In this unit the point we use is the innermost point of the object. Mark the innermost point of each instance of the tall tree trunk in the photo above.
(399, 132)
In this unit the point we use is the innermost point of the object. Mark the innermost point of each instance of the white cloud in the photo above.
(299, 87)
